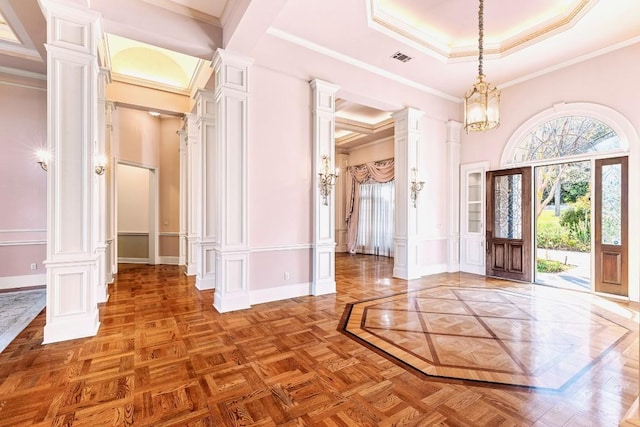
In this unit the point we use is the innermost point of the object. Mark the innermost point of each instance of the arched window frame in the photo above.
(616, 121)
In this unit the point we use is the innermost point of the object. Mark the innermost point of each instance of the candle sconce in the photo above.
(327, 180)
(100, 165)
(416, 186)
(43, 158)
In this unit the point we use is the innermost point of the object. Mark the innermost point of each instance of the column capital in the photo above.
(324, 99)
(231, 71)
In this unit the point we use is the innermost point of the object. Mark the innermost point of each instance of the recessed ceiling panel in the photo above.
(147, 65)
(450, 28)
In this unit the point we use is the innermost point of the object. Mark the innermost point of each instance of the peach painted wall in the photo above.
(138, 137)
(279, 178)
(23, 185)
(133, 199)
(610, 80)
(169, 182)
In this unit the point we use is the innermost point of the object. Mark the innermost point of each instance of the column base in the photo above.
(77, 327)
(324, 288)
(231, 301)
(206, 283)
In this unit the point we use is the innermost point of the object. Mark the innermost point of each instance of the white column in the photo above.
(407, 142)
(110, 178)
(102, 290)
(453, 209)
(342, 197)
(72, 75)
(182, 251)
(232, 249)
(193, 194)
(205, 119)
(324, 242)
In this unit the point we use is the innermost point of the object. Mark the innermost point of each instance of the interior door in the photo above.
(610, 222)
(508, 227)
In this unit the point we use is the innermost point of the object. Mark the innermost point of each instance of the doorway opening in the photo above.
(137, 213)
(563, 225)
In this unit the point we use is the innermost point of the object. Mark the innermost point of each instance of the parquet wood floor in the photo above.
(165, 357)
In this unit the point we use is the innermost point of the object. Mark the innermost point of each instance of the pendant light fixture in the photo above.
(482, 102)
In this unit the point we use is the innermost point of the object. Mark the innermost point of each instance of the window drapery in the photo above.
(375, 219)
(381, 172)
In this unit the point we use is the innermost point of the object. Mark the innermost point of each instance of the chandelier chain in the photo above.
(480, 36)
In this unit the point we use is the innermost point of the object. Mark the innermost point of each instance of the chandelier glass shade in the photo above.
(482, 101)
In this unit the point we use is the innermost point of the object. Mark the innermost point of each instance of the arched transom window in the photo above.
(566, 136)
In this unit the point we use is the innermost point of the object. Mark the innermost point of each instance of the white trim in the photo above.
(428, 270)
(23, 73)
(283, 35)
(295, 247)
(24, 230)
(123, 260)
(24, 281)
(279, 293)
(168, 260)
(571, 62)
(23, 243)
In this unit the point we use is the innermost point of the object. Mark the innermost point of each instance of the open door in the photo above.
(508, 227)
(611, 241)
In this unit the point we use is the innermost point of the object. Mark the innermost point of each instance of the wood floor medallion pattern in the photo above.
(490, 335)
(163, 356)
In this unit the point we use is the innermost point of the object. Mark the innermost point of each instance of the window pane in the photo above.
(611, 205)
(566, 136)
(507, 206)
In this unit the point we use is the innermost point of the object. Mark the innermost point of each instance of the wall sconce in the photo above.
(100, 164)
(43, 158)
(416, 186)
(327, 180)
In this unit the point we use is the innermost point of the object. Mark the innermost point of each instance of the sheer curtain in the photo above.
(375, 222)
(373, 172)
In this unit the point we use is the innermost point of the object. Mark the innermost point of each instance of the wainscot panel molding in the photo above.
(23, 242)
(295, 247)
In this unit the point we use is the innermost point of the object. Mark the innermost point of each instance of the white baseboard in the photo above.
(279, 293)
(169, 260)
(26, 281)
(428, 270)
(122, 260)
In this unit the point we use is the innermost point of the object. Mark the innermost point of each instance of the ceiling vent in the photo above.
(401, 57)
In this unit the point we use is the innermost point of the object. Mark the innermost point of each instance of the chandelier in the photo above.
(482, 101)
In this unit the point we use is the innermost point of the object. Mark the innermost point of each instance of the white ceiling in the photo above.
(523, 38)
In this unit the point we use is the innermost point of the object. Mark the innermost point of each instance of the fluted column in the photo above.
(324, 241)
(407, 142)
(453, 209)
(102, 289)
(72, 101)
(182, 251)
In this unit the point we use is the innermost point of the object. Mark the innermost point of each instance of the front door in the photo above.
(611, 187)
(508, 227)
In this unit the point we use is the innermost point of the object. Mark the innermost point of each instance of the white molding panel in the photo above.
(407, 150)
(72, 109)
(324, 245)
